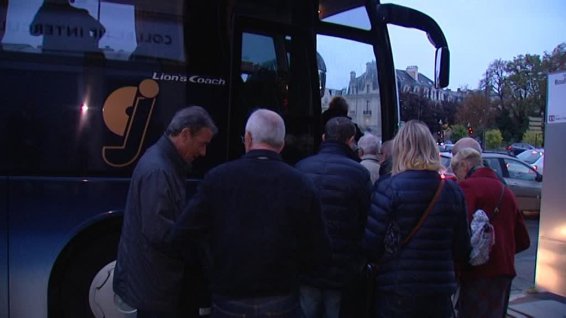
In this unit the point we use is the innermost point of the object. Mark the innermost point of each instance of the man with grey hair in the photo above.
(145, 278)
(368, 148)
(262, 222)
(466, 142)
(344, 186)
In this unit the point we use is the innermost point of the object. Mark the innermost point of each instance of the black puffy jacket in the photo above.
(344, 187)
(425, 265)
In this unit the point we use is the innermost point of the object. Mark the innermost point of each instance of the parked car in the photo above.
(523, 180)
(518, 147)
(534, 157)
(445, 147)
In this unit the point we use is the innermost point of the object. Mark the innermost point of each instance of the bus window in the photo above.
(113, 30)
(352, 74)
(274, 74)
(264, 78)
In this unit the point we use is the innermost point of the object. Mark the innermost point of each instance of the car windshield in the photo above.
(530, 156)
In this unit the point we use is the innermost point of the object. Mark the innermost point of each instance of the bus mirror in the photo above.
(389, 13)
(442, 67)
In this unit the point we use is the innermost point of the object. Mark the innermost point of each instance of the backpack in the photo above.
(483, 234)
(482, 238)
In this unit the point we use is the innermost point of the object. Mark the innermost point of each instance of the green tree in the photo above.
(526, 82)
(458, 132)
(493, 139)
(533, 138)
(517, 89)
(556, 60)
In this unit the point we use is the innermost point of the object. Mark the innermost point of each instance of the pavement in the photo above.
(526, 300)
(533, 303)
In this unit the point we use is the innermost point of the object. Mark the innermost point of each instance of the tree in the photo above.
(418, 107)
(458, 132)
(556, 60)
(476, 110)
(517, 89)
(493, 85)
(448, 112)
(533, 138)
(493, 139)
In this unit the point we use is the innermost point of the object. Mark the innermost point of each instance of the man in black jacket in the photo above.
(344, 187)
(145, 277)
(261, 219)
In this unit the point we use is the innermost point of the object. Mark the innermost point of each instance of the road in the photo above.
(525, 261)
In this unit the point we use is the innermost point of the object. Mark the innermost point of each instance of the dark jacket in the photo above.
(344, 187)
(385, 167)
(331, 113)
(262, 221)
(145, 277)
(482, 190)
(425, 265)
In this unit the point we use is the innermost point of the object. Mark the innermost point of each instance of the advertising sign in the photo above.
(550, 273)
(556, 112)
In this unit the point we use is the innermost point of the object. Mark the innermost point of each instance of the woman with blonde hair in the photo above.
(416, 230)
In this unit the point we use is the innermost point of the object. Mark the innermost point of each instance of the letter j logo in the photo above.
(126, 112)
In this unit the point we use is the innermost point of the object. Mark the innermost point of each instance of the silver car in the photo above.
(523, 180)
(534, 157)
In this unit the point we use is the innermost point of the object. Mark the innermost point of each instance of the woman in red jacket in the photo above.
(484, 289)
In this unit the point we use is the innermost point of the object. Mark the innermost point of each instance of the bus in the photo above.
(88, 85)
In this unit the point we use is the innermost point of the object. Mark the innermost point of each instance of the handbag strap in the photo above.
(496, 210)
(425, 214)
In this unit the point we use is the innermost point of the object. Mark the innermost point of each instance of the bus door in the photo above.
(275, 68)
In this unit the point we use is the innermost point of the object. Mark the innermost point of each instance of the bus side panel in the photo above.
(3, 247)
(51, 135)
(45, 214)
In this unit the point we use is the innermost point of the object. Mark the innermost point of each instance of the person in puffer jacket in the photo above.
(344, 187)
(419, 280)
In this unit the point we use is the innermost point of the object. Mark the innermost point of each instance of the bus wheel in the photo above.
(79, 268)
(103, 302)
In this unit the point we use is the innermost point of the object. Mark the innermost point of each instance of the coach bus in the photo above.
(88, 85)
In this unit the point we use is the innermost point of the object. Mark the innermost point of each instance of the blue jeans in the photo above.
(275, 306)
(320, 303)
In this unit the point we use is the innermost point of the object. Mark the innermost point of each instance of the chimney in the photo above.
(352, 75)
(413, 70)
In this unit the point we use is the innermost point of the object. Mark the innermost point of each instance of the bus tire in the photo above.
(76, 268)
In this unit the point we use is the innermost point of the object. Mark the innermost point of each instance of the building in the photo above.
(362, 94)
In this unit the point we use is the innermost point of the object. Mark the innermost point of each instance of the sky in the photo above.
(478, 32)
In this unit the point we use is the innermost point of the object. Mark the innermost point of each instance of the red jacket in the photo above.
(482, 190)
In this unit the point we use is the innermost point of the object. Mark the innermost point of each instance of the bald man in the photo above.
(466, 142)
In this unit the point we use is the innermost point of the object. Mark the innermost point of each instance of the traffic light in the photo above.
(470, 131)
